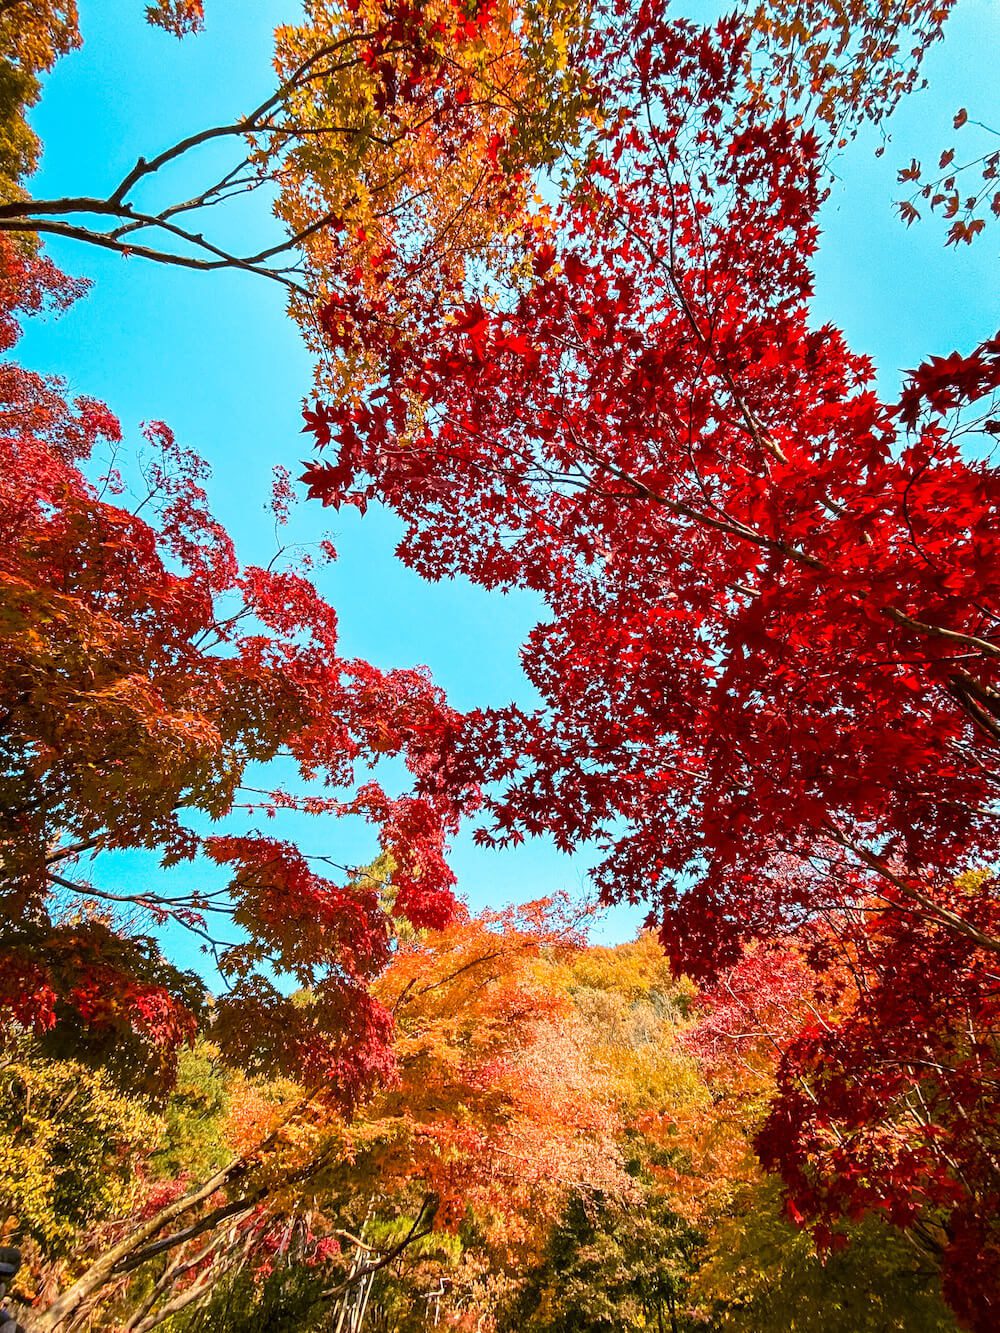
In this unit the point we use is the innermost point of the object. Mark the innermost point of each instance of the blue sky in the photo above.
(216, 357)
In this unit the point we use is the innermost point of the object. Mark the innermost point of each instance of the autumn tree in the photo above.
(496, 1117)
(889, 1109)
(771, 1259)
(865, 1076)
(69, 1141)
(384, 131)
(144, 670)
(769, 663)
(701, 516)
(78, 1155)
(835, 65)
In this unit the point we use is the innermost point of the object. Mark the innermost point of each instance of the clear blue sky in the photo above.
(216, 357)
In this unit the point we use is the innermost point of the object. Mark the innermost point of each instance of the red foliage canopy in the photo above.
(142, 671)
(885, 1061)
(771, 661)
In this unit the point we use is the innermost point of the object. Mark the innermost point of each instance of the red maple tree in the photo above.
(890, 1105)
(770, 662)
(143, 671)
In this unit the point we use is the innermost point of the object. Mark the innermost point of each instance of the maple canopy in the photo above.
(770, 659)
(144, 670)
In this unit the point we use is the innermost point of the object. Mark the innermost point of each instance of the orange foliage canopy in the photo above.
(496, 1108)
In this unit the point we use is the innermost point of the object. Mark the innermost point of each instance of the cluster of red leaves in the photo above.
(143, 670)
(946, 382)
(891, 1105)
(751, 1010)
(28, 285)
(872, 1042)
(426, 38)
(91, 987)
